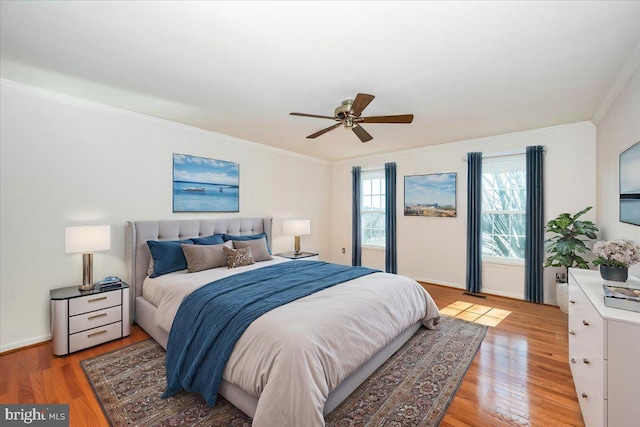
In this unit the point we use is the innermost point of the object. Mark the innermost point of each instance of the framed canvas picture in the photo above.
(630, 185)
(205, 185)
(430, 195)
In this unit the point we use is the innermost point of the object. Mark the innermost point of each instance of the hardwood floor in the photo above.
(519, 377)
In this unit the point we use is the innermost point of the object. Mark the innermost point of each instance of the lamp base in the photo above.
(296, 250)
(87, 272)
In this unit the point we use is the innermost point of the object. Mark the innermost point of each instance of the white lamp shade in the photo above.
(87, 239)
(296, 227)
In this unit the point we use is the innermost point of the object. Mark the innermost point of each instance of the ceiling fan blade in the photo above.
(360, 103)
(323, 131)
(312, 115)
(361, 133)
(401, 118)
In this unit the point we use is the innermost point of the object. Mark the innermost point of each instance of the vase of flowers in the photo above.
(615, 257)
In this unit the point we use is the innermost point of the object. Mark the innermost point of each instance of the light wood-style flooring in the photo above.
(519, 377)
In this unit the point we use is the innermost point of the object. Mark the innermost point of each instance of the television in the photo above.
(630, 185)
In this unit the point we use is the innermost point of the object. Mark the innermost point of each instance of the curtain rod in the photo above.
(504, 153)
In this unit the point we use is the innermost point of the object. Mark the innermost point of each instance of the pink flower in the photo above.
(616, 253)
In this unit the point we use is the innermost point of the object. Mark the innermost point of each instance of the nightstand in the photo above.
(307, 256)
(82, 319)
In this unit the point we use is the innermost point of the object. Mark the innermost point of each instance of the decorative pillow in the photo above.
(259, 248)
(204, 257)
(238, 257)
(214, 239)
(150, 269)
(228, 237)
(167, 256)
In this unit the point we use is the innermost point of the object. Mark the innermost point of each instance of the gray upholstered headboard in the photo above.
(138, 232)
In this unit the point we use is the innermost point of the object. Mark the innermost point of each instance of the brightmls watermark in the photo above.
(34, 415)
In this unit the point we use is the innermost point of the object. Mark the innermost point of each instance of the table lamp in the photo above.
(87, 239)
(297, 228)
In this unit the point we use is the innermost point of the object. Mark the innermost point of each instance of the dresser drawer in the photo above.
(94, 302)
(609, 385)
(593, 407)
(93, 319)
(585, 322)
(95, 336)
(592, 404)
(587, 368)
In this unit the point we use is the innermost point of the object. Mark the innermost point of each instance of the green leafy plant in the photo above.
(570, 240)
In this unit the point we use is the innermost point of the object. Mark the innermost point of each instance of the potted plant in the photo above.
(615, 257)
(565, 248)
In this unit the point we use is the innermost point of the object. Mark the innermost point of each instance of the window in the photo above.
(504, 201)
(372, 208)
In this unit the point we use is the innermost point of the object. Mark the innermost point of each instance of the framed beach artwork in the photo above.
(430, 195)
(630, 185)
(205, 185)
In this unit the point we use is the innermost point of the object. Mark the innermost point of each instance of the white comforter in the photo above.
(293, 356)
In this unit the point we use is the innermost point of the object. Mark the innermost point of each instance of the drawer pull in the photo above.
(96, 316)
(585, 361)
(572, 301)
(573, 360)
(572, 332)
(584, 395)
(104, 331)
(585, 323)
(97, 299)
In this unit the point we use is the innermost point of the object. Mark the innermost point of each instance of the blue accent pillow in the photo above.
(245, 237)
(214, 239)
(167, 256)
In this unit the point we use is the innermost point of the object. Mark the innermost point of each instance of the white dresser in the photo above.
(83, 319)
(604, 354)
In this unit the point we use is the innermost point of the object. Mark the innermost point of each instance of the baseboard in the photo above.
(21, 345)
(439, 283)
(484, 293)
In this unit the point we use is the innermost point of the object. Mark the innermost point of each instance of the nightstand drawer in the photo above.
(94, 302)
(81, 319)
(93, 319)
(94, 336)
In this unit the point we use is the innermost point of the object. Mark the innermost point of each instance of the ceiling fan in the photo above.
(348, 114)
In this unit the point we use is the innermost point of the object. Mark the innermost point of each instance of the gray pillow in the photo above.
(150, 269)
(204, 257)
(238, 257)
(258, 247)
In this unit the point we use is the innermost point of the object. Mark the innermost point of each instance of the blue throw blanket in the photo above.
(212, 318)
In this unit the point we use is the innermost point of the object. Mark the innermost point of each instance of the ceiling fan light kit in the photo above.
(348, 115)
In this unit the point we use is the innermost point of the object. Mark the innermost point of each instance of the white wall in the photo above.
(618, 130)
(69, 162)
(433, 249)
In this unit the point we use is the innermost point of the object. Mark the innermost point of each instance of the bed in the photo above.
(238, 385)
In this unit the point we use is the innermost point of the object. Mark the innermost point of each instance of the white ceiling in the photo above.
(464, 69)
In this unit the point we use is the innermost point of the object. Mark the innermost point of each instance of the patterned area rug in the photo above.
(413, 388)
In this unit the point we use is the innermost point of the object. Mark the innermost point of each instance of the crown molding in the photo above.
(36, 92)
(462, 143)
(627, 72)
